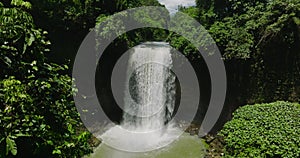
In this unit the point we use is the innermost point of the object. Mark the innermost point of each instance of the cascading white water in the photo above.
(149, 101)
(149, 96)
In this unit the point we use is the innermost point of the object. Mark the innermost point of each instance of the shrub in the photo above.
(38, 117)
(264, 130)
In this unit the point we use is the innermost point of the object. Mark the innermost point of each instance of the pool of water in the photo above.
(185, 146)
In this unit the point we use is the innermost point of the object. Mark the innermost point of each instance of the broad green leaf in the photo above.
(11, 146)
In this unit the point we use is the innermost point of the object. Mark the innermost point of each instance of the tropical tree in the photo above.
(38, 116)
(259, 40)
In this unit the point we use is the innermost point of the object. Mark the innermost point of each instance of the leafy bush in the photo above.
(38, 115)
(264, 130)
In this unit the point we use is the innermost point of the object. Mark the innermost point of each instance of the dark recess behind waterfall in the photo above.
(69, 42)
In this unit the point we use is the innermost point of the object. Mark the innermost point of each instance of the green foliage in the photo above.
(264, 130)
(42, 110)
(191, 11)
(78, 15)
(192, 30)
(242, 28)
(261, 40)
(116, 25)
(20, 42)
(36, 100)
(139, 3)
(11, 146)
(21, 3)
(179, 42)
(55, 15)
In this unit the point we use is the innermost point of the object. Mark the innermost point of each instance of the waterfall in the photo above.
(149, 95)
(149, 101)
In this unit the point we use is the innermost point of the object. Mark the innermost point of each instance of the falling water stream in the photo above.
(151, 87)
